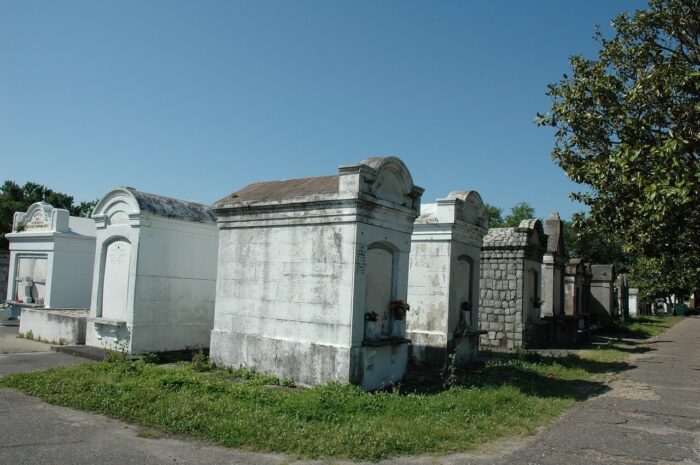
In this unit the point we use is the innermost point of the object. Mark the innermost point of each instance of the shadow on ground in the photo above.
(531, 374)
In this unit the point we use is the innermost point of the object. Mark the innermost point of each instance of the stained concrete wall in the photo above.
(65, 326)
(169, 276)
(292, 286)
(444, 278)
(601, 302)
(291, 301)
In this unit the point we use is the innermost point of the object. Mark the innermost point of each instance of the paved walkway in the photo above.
(651, 414)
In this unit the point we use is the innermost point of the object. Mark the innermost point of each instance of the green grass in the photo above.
(511, 395)
(642, 327)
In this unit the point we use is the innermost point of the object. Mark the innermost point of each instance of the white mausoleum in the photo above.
(51, 258)
(443, 280)
(312, 275)
(155, 273)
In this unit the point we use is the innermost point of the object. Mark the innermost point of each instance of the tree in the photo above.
(14, 198)
(521, 211)
(495, 215)
(585, 241)
(628, 127)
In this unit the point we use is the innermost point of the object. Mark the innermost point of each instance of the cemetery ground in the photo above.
(510, 396)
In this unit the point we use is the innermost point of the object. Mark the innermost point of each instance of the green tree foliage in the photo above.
(583, 240)
(14, 198)
(495, 215)
(521, 211)
(628, 127)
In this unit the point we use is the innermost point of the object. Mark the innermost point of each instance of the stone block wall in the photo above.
(501, 298)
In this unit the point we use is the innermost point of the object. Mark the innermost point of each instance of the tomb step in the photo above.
(91, 353)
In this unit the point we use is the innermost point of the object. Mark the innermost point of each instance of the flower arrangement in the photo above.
(399, 308)
(371, 316)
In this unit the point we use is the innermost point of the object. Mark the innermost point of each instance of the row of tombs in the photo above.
(307, 279)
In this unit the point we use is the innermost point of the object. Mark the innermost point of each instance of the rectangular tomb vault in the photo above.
(443, 279)
(155, 273)
(50, 273)
(510, 287)
(312, 275)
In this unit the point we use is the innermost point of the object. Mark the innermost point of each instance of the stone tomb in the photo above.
(601, 303)
(51, 263)
(564, 328)
(312, 275)
(443, 279)
(155, 278)
(576, 295)
(633, 302)
(622, 293)
(510, 287)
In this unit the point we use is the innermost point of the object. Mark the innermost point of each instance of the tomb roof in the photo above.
(172, 208)
(157, 205)
(284, 189)
(380, 179)
(527, 233)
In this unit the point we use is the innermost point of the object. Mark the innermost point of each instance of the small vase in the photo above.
(466, 318)
(370, 330)
(398, 328)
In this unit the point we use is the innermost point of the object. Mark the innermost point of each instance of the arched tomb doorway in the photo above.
(115, 284)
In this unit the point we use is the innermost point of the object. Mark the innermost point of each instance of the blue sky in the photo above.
(195, 100)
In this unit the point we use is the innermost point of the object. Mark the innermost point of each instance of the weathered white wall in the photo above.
(175, 285)
(293, 271)
(66, 326)
(71, 279)
(286, 297)
(286, 292)
(444, 274)
(429, 296)
(158, 293)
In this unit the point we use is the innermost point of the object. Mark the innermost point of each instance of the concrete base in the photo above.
(108, 337)
(382, 363)
(431, 349)
(306, 363)
(56, 326)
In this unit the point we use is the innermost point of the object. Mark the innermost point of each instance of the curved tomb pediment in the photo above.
(116, 206)
(470, 208)
(536, 235)
(40, 216)
(119, 204)
(392, 181)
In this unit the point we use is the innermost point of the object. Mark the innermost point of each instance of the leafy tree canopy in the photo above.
(520, 211)
(495, 215)
(628, 127)
(15, 198)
